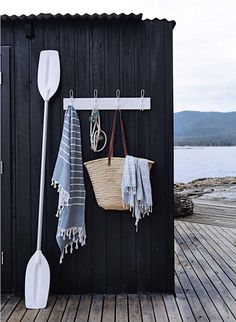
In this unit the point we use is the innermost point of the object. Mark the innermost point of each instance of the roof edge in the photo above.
(173, 22)
(47, 16)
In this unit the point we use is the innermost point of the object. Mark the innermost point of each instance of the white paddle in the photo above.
(37, 277)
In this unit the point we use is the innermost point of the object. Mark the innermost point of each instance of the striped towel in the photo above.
(68, 177)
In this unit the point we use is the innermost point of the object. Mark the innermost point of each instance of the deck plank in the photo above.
(147, 308)
(9, 307)
(217, 256)
(224, 238)
(71, 308)
(208, 261)
(84, 308)
(200, 220)
(18, 312)
(122, 308)
(222, 243)
(4, 300)
(45, 313)
(159, 308)
(225, 232)
(216, 221)
(134, 308)
(58, 308)
(30, 315)
(213, 213)
(220, 295)
(189, 291)
(214, 296)
(109, 308)
(197, 283)
(96, 308)
(181, 300)
(171, 308)
(215, 240)
(231, 231)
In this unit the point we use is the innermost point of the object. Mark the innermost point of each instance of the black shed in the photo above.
(96, 51)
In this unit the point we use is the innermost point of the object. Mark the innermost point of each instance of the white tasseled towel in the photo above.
(136, 187)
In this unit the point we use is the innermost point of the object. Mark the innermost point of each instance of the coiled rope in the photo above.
(96, 133)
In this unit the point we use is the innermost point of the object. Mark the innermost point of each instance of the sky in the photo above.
(204, 43)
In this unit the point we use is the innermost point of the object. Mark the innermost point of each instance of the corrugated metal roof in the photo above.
(46, 16)
(42, 16)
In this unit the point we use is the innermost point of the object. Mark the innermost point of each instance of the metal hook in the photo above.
(142, 97)
(118, 93)
(71, 95)
(118, 98)
(95, 95)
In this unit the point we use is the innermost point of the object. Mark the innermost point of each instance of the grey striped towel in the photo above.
(68, 177)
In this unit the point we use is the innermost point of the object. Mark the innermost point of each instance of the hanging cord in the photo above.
(96, 133)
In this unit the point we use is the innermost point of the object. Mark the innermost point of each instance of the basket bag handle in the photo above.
(112, 140)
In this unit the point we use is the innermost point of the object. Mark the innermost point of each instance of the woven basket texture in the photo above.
(106, 181)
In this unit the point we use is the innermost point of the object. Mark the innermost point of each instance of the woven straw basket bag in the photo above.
(106, 173)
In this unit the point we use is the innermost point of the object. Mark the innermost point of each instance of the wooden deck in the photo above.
(205, 280)
(218, 213)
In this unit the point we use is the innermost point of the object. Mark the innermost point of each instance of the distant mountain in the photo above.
(204, 128)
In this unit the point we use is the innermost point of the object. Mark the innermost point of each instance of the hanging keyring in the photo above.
(96, 133)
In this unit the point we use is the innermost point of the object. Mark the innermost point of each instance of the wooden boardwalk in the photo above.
(205, 281)
(212, 212)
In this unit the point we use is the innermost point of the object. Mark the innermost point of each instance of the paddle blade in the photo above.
(37, 280)
(48, 73)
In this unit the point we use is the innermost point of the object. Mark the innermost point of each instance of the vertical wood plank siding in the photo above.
(23, 157)
(103, 54)
(6, 209)
(113, 219)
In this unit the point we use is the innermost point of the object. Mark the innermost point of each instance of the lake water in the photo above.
(202, 162)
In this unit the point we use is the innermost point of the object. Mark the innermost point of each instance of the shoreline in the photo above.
(210, 189)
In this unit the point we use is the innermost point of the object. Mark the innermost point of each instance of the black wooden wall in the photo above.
(106, 54)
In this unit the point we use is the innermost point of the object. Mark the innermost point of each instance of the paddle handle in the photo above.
(42, 176)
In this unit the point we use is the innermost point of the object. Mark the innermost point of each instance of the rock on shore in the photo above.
(209, 188)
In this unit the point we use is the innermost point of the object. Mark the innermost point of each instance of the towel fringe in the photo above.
(62, 256)
(77, 235)
(64, 196)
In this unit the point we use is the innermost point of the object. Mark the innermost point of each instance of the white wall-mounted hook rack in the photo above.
(108, 103)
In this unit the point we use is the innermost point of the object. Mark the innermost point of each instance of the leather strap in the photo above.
(123, 135)
(112, 139)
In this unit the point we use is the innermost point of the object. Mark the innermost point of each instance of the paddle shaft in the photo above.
(42, 176)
